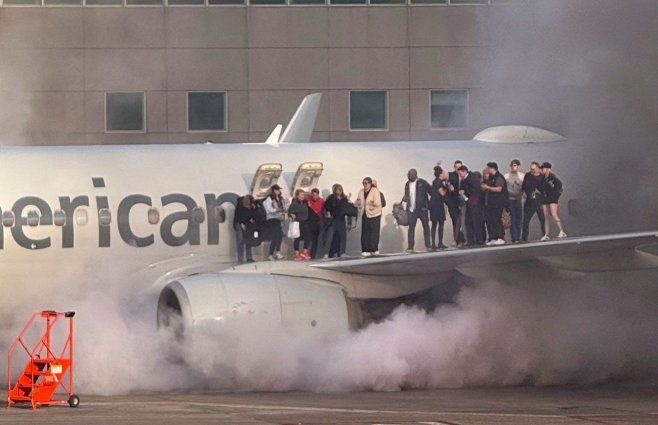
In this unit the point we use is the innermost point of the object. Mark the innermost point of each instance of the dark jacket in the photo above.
(336, 207)
(437, 209)
(532, 185)
(552, 186)
(497, 199)
(471, 186)
(243, 215)
(422, 194)
(299, 209)
(452, 198)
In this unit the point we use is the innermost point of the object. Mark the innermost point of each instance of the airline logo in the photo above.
(40, 213)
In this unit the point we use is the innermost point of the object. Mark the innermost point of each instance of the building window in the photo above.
(62, 2)
(369, 110)
(22, 2)
(449, 108)
(206, 111)
(185, 2)
(267, 2)
(103, 2)
(124, 111)
(143, 2)
(224, 2)
(429, 1)
(469, 1)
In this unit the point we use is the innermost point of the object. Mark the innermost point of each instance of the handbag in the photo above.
(293, 230)
(400, 214)
(507, 219)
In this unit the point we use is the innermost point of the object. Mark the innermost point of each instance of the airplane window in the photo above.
(153, 216)
(198, 215)
(265, 183)
(32, 218)
(81, 217)
(104, 217)
(220, 214)
(59, 218)
(8, 219)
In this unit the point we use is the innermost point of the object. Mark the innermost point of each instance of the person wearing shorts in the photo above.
(551, 191)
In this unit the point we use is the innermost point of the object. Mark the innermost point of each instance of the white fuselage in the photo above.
(38, 260)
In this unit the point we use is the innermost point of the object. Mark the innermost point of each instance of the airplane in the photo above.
(153, 222)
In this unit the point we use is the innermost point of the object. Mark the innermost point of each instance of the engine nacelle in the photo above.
(287, 299)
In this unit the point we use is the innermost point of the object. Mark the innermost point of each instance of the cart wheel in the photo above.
(74, 400)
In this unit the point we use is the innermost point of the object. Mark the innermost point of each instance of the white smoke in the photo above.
(495, 334)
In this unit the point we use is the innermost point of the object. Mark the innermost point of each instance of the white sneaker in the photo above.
(365, 254)
(545, 238)
(278, 256)
(491, 242)
(375, 253)
(562, 235)
(271, 258)
(498, 242)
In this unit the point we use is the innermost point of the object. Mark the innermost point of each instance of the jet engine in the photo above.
(291, 300)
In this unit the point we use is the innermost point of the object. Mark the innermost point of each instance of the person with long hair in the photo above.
(244, 221)
(275, 209)
(551, 190)
(336, 223)
(369, 203)
(299, 213)
(438, 192)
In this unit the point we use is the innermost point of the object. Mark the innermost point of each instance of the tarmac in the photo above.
(607, 405)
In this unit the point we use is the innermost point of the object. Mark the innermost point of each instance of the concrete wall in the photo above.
(56, 63)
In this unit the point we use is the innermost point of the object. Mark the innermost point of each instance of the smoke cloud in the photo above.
(494, 334)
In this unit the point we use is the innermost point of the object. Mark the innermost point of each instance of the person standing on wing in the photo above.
(416, 195)
(552, 189)
(369, 203)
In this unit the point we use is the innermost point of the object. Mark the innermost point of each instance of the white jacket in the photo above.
(272, 210)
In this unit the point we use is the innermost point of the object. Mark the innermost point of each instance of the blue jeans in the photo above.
(516, 213)
(241, 247)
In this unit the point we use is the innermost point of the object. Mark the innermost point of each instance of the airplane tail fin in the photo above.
(300, 127)
(273, 138)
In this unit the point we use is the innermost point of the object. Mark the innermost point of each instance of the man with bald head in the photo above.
(416, 196)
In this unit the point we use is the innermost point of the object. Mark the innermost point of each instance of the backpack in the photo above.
(400, 214)
(383, 199)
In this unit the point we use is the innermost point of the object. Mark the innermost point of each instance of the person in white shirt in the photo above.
(515, 193)
(416, 195)
(275, 207)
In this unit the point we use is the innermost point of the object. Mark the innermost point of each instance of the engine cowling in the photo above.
(300, 301)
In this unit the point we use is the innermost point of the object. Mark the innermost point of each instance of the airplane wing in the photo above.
(617, 252)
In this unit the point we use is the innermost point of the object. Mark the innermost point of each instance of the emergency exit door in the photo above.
(266, 176)
(307, 176)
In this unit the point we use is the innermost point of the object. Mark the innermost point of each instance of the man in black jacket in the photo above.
(495, 200)
(532, 190)
(471, 192)
(416, 195)
(454, 203)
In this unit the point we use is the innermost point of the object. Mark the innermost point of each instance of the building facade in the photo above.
(113, 72)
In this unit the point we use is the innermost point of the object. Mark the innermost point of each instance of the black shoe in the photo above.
(251, 261)
(441, 246)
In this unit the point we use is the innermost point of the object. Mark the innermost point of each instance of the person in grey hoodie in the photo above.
(514, 180)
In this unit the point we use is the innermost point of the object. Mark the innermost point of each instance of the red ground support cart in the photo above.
(45, 371)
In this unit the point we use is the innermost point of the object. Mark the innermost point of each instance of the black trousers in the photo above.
(424, 220)
(494, 218)
(335, 230)
(370, 233)
(437, 225)
(531, 207)
(475, 224)
(304, 236)
(456, 218)
(274, 233)
(315, 228)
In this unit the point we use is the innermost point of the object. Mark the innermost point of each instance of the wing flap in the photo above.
(626, 251)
